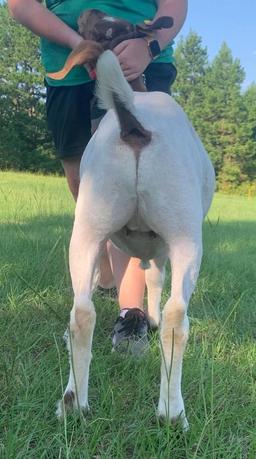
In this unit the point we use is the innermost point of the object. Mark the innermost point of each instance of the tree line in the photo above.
(223, 115)
(210, 93)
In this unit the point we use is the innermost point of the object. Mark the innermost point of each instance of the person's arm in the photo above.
(133, 54)
(42, 22)
(177, 9)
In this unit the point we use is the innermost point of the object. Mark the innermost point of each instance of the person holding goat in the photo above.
(69, 109)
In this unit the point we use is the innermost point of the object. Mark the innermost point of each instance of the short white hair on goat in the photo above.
(146, 184)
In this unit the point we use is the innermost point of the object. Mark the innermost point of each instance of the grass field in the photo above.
(219, 377)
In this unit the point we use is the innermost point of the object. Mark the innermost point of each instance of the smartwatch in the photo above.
(153, 48)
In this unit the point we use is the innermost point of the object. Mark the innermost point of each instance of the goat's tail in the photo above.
(113, 91)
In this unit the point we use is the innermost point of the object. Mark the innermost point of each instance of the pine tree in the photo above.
(192, 63)
(247, 151)
(191, 84)
(211, 96)
(225, 113)
(25, 142)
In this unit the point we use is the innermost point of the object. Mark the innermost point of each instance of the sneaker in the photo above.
(130, 332)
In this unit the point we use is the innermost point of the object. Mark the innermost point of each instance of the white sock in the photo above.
(123, 312)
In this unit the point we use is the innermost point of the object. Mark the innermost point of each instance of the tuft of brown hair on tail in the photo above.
(132, 131)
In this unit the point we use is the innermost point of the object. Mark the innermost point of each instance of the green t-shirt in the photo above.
(54, 56)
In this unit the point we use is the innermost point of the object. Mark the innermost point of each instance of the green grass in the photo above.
(219, 377)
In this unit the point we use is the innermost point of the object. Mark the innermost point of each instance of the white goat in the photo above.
(147, 188)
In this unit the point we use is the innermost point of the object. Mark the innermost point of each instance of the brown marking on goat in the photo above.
(132, 131)
(163, 22)
(93, 26)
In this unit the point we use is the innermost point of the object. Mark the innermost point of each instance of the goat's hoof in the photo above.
(69, 403)
(154, 324)
(179, 420)
(153, 328)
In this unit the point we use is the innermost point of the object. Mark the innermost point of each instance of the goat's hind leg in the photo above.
(84, 255)
(185, 257)
(154, 277)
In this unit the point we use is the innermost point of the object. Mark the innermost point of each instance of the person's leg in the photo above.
(129, 278)
(69, 120)
(131, 327)
(71, 168)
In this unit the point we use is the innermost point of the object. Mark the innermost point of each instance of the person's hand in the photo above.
(133, 57)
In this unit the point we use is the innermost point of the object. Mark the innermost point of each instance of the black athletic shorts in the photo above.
(70, 109)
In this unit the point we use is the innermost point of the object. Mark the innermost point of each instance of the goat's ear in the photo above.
(164, 22)
(87, 52)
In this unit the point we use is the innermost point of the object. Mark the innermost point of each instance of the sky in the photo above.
(231, 21)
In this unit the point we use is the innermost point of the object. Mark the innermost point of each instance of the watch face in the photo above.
(154, 48)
